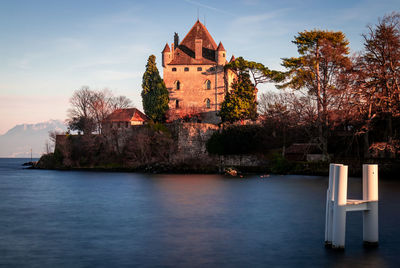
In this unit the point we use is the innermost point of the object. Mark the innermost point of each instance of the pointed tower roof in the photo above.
(220, 47)
(232, 58)
(184, 53)
(166, 48)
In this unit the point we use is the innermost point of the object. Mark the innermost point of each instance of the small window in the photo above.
(177, 104)
(186, 69)
(208, 103)
(199, 69)
(208, 84)
(177, 85)
(211, 69)
(223, 55)
(174, 69)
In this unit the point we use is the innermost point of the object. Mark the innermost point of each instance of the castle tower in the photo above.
(166, 55)
(194, 75)
(221, 54)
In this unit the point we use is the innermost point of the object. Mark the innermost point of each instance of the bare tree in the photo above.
(121, 102)
(80, 102)
(91, 107)
(380, 69)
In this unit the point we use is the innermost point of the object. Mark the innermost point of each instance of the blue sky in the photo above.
(50, 48)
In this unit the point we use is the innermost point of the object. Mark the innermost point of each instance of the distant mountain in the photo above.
(18, 141)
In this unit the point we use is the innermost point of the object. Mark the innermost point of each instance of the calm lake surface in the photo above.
(101, 219)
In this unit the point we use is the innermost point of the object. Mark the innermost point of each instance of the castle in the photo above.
(194, 75)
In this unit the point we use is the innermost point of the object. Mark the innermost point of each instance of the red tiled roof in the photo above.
(127, 115)
(166, 48)
(184, 53)
(232, 59)
(220, 47)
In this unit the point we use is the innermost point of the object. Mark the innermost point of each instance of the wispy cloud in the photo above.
(208, 7)
(261, 17)
(111, 75)
(71, 43)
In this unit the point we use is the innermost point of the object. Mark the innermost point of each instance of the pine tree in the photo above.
(240, 103)
(322, 61)
(154, 94)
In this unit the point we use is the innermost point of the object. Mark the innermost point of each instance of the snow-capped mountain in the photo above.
(19, 140)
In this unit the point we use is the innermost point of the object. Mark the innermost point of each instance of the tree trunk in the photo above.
(366, 145)
(322, 133)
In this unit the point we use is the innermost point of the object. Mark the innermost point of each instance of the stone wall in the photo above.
(191, 140)
(193, 91)
(188, 148)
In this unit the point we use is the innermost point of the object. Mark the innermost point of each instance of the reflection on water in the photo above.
(52, 218)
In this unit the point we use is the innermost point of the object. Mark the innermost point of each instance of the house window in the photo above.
(223, 55)
(177, 85)
(208, 84)
(177, 104)
(174, 69)
(186, 69)
(199, 69)
(208, 103)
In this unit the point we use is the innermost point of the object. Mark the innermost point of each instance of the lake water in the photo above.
(101, 219)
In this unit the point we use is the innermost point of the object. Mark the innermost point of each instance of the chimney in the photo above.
(198, 49)
(176, 40)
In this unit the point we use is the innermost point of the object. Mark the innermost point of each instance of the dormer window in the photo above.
(174, 69)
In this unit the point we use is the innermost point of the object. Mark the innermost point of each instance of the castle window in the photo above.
(208, 85)
(211, 69)
(223, 55)
(177, 85)
(174, 69)
(199, 69)
(177, 104)
(208, 103)
(186, 69)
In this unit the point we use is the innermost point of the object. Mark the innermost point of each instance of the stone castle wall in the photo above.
(193, 91)
(189, 142)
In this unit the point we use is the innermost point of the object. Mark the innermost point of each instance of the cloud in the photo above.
(71, 43)
(208, 7)
(116, 75)
(257, 18)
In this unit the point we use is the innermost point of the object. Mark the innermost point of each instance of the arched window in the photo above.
(208, 84)
(208, 103)
(174, 69)
(177, 104)
(199, 69)
(186, 69)
(177, 85)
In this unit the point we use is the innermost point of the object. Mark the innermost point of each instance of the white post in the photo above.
(370, 194)
(329, 207)
(339, 207)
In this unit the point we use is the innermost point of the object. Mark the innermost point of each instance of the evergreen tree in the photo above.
(240, 103)
(319, 68)
(154, 95)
